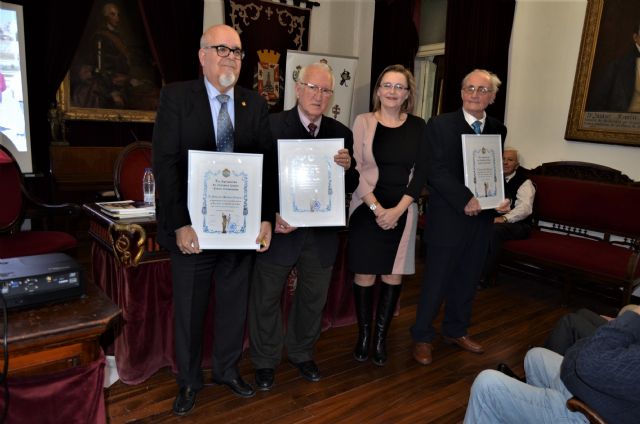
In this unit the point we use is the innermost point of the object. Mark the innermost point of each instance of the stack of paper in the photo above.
(127, 209)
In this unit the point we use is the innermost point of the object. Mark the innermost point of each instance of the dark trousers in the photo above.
(266, 328)
(451, 275)
(571, 328)
(502, 233)
(193, 277)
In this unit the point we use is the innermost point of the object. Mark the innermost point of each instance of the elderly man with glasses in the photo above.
(211, 114)
(457, 231)
(312, 250)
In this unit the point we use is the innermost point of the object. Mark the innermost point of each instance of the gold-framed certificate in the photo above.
(224, 198)
(311, 183)
(482, 157)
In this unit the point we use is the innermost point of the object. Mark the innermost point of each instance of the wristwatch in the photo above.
(374, 206)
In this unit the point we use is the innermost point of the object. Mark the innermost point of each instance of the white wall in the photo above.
(339, 27)
(544, 52)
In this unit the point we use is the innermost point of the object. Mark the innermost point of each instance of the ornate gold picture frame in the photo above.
(113, 76)
(603, 108)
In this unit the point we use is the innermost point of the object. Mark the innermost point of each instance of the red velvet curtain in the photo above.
(52, 32)
(70, 396)
(174, 29)
(477, 36)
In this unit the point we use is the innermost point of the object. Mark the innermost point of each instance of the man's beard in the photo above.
(227, 79)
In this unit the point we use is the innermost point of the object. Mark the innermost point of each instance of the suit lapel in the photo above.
(294, 127)
(202, 109)
(242, 112)
(463, 125)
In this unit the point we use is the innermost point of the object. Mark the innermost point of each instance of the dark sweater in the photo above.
(604, 370)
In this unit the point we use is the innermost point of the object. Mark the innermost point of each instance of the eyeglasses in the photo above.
(316, 89)
(389, 86)
(223, 51)
(470, 89)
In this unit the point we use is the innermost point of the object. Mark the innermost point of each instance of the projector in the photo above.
(34, 280)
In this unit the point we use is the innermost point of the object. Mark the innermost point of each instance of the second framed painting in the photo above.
(605, 105)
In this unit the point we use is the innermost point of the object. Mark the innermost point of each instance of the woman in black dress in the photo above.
(388, 148)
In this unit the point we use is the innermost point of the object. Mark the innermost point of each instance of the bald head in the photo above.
(221, 72)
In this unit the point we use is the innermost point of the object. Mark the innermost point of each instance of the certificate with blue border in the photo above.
(224, 200)
(482, 156)
(311, 183)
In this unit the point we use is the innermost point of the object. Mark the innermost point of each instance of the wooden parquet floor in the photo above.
(508, 318)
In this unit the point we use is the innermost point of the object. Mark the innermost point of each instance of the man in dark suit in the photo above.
(311, 250)
(187, 119)
(457, 231)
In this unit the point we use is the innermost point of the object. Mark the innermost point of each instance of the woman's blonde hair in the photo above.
(408, 104)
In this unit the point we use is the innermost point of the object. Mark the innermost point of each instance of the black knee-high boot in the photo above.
(362, 297)
(389, 295)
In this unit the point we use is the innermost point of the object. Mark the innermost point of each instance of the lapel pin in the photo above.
(244, 103)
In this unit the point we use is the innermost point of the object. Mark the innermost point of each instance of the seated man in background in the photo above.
(602, 370)
(515, 224)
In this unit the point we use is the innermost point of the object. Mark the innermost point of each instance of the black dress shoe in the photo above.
(308, 369)
(504, 369)
(238, 386)
(185, 401)
(264, 378)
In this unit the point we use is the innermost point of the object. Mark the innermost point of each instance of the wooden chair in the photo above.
(576, 405)
(129, 169)
(15, 198)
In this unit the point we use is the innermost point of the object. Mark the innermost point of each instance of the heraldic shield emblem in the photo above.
(267, 77)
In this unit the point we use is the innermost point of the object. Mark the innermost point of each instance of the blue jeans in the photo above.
(496, 398)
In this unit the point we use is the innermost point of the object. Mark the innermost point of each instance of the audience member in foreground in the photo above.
(602, 370)
(389, 146)
(457, 231)
(575, 326)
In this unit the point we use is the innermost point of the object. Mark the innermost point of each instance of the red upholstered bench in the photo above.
(585, 231)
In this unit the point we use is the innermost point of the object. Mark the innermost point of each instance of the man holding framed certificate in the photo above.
(457, 231)
(209, 114)
(311, 249)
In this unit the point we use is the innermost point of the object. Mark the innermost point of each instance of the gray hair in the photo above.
(316, 65)
(495, 81)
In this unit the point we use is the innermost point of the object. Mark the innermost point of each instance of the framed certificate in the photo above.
(482, 157)
(225, 197)
(311, 183)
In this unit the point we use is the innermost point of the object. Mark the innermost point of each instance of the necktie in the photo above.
(477, 127)
(312, 129)
(224, 136)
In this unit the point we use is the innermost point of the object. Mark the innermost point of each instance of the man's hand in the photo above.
(187, 240)
(264, 238)
(473, 207)
(504, 206)
(343, 159)
(282, 226)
